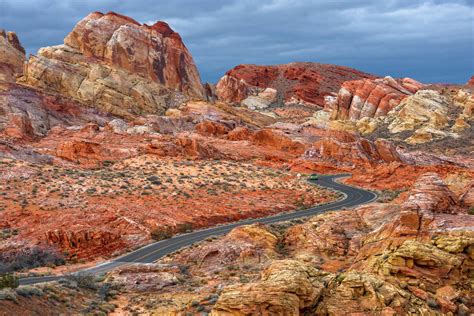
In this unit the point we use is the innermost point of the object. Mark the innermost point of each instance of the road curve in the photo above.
(352, 197)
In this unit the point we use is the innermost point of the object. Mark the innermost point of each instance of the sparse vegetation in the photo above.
(386, 196)
(30, 258)
(8, 280)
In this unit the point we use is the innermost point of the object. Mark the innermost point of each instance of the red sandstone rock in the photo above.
(239, 133)
(155, 52)
(306, 83)
(81, 151)
(19, 126)
(271, 138)
(211, 128)
(467, 198)
(113, 63)
(470, 83)
(370, 97)
(81, 240)
(346, 148)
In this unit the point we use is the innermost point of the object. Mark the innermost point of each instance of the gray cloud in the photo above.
(432, 41)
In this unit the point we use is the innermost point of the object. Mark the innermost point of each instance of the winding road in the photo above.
(352, 197)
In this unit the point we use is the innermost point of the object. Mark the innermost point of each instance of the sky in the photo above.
(431, 40)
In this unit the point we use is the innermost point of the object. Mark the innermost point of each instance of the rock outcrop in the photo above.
(28, 113)
(291, 287)
(114, 63)
(81, 240)
(369, 97)
(294, 83)
(347, 148)
(12, 56)
(285, 288)
(431, 114)
(243, 245)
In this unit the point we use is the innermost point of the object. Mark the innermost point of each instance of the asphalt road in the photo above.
(352, 197)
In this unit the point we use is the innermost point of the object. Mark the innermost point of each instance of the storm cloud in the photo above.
(432, 41)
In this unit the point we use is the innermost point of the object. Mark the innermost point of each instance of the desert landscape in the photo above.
(111, 145)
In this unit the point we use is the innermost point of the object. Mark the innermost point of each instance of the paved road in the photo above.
(352, 197)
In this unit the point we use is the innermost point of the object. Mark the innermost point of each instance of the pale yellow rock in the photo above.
(427, 134)
(286, 286)
(343, 126)
(98, 85)
(367, 125)
(11, 57)
(173, 112)
(426, 108)
(319, 119)
(459, 125)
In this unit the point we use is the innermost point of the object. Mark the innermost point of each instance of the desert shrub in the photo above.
(386, 196)
(471, 211)
(161, 233)
(29, 258)
(7, 294)
(83, 280)
(8, 280)
(184, 227)
(28, 290)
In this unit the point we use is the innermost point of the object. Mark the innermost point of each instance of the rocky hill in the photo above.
(292, 84)
(115, 64)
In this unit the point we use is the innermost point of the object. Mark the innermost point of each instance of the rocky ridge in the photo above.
(369, 97)
(307, 84)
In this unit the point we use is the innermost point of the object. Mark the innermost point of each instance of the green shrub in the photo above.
(28, 290)
(471, 211)
(8, 280)
(8, 294)
(83, 280)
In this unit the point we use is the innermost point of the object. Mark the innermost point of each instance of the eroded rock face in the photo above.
(291, 287)
(286, 287)
(116, 64)
(295, 83)
(12, 56)
(26, 113)
(370, 97)
(435, 113)
(251, 244)
(347, 148)
(80, 240)
(272, 138)
(210, 128)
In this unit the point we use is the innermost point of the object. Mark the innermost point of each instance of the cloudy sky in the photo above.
(431, 40)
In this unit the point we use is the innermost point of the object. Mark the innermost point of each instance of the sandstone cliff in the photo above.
(369, 97)
(114, 63)
(12, 56)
